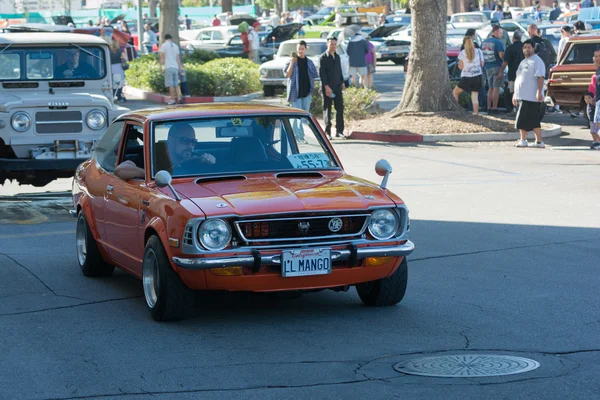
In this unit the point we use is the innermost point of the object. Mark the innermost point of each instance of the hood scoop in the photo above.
(211, 179)
(299, 174)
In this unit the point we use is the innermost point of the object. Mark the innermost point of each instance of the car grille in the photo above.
(302, 228)
(58, 122)
(275, 74)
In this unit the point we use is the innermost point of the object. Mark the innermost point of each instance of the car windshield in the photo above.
(582, 53)
(454, 40)
(467, 18)
(56, 63)
(313, 49)
(239, 145)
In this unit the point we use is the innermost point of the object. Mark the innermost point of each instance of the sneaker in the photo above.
(187, 95)
(539, 145)
(171, 102)
(340, 136)
(522, 143)
(302, 141)
(595, 146)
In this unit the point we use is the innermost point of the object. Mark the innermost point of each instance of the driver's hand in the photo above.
(208, 158)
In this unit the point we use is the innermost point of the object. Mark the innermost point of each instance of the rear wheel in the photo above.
(387, 291)
(167, 297)
(269, 90)
(89, 257)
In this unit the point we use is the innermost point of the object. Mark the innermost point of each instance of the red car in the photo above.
(235, 197)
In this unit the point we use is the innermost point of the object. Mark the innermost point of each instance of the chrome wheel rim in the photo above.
(81, 241)
(150, 278)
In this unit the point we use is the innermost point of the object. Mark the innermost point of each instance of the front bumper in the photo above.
(256, 259)
(29, 165)
(274, 82)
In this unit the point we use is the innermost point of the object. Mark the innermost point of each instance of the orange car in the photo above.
(235, 197)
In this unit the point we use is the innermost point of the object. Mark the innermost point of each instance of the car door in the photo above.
(105, 154)
(123, 204)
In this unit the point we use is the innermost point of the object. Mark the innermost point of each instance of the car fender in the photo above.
(157, 225)
(84, 205)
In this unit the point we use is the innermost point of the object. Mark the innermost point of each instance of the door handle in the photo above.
(109, 188)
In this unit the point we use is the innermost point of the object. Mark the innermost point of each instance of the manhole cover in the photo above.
(468, 365)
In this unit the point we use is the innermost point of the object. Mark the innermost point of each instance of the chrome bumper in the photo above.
(275, 259)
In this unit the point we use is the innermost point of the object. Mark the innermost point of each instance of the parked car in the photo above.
(570, 78)
(272, 214)
(468, 20)
(272, 76)
(56, 100)
(388, 47)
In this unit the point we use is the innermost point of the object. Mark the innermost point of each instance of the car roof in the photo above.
(192, 111)
(49, 38)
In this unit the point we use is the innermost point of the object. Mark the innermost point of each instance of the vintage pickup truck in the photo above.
(56, 101)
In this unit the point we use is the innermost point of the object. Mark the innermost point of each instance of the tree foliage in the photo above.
(292, 4)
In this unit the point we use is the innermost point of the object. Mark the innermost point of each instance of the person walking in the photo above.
(339, 20)
(301, 73)
(332, 81)
(149, 39)
(371, 60)
(357, 50)
(512, 58)
(470, 63)
(117, 59)
(529, 96)
(254, 43)
(555, 13)
(543, 47)
(171, 62)
(493, 53)
(566, 32)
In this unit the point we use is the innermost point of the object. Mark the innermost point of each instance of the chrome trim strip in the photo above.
(245, 239)
(58, 122)
(275, 259)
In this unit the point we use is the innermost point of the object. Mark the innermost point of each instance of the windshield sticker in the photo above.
(236, 121)
(309, 160)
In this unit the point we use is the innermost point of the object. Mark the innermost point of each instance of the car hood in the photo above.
(28, 100)
(267, 194)
(279, 62)
(283, 32)
(385, 30)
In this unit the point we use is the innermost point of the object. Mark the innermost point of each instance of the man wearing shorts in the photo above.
(170, 61)
(357, 51)
(493, 53)
(529, 95)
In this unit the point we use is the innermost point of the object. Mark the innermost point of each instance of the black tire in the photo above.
(88, 256)
(173, 300)
(398, 61)
(388, 291)
(269, 91)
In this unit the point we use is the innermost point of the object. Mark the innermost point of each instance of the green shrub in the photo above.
(219, 77)
(199, 57)
(233, 76)
(464, 98)
(359, 103)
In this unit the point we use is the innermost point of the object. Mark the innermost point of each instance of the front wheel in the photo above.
(167, 297)
(388, 291)
(269, 90)
(89, 257)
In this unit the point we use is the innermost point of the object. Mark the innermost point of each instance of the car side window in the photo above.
(134, 145)
(107, 148)
(217, 35)
(204, 36)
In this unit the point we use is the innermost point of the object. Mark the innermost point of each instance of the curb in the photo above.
(161, 98)
(556, 130)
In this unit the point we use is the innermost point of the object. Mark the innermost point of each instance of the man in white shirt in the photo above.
(170, 61)
(254, 43)
(339, 20)
(529, 95)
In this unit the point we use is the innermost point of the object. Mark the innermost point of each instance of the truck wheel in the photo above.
(269, 90)
(167, 297)
(387, 291)
(89, 257)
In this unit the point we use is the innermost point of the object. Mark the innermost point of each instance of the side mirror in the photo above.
(383, 168)
(163, 179)
(116, 80)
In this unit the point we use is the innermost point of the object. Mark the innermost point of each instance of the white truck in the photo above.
(56, 101)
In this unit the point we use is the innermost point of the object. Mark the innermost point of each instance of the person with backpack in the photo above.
(542, 49)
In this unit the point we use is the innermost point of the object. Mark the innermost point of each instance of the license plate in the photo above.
(305, 262)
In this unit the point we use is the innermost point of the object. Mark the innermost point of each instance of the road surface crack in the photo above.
(71, 306)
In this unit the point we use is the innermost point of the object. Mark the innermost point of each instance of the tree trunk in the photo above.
(168, 21)
(227, 5)
(152, 5)
(427, 87)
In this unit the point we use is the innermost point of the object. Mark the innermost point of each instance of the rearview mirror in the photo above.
(163, 179)
(383, 168)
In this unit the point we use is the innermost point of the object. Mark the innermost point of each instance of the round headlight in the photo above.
(263, 72)
(214, 234)
(21, 121)
(383, 224)
(95, 120)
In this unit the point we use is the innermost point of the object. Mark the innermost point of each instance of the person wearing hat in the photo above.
(254, 42)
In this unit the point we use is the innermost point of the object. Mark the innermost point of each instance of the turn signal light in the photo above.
(377, 261)
(229, 271)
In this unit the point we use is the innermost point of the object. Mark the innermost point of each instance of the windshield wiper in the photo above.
(86, 51)
(6, 48)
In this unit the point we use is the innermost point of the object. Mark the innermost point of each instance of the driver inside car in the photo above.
(181, 141)
(74, 67)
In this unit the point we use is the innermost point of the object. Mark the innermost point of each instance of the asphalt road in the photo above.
(506, 263)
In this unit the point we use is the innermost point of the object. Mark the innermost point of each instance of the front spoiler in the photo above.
(32, 165)
(352, 253)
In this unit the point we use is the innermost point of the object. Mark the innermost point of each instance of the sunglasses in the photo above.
(186, 141)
